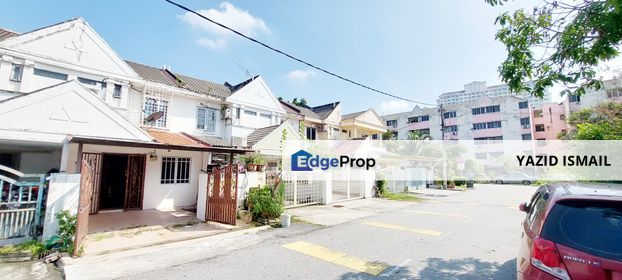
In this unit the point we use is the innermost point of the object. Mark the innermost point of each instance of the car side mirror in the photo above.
(523, 207)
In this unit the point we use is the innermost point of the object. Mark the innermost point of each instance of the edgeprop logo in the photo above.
(305, 161)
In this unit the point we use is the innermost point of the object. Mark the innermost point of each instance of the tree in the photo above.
(558, 42)
(388, 135)
(414, 135)
(302, 102)
(603, 122)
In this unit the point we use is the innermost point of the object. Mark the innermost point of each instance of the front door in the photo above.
(135, 181)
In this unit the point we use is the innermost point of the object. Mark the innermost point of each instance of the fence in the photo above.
(20, 203)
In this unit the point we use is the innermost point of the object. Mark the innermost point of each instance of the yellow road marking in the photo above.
(336, 257)
(404, 228)
(436, 213)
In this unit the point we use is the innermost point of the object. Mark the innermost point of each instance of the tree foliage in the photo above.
(558, 42)
(603, 122)
(299, 102)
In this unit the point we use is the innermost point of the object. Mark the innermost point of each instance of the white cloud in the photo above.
(230, 16)
(300, 76)
(215, 44)
(394, 106)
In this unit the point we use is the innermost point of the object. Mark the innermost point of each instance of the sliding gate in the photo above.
(21, 196)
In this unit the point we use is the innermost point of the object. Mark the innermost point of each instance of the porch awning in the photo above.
(155, 145)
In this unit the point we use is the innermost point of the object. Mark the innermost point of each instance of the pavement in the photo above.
(451, 235)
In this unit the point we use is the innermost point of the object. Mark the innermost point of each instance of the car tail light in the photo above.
(546, 258)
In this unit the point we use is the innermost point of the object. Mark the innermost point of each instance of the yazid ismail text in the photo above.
(567, 160)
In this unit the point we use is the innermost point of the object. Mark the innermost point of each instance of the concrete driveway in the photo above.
(452, 235)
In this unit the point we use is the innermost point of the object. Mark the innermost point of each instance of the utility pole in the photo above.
(443, 146)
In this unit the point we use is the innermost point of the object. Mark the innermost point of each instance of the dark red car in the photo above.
(572, 231)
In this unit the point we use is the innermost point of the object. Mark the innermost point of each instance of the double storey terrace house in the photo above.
(315, 123)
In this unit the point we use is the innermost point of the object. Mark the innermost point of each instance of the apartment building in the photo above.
(475, 90)
(496, 118)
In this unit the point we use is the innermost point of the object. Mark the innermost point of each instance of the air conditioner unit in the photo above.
(238, 141)
(227, 113)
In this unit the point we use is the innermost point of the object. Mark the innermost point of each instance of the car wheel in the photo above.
(526, 182)
(499, 182)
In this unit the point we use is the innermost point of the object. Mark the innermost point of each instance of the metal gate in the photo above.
(134, 184)
(21, 197)
(84, 202)
(222, 193)
(348, 185)
(302, 188)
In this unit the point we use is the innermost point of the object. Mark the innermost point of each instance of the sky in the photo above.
(414, 49)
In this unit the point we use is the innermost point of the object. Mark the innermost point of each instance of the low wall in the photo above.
(63, 194)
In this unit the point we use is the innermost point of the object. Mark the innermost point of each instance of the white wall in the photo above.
(39, 162)
(182, 115)
(63, 194)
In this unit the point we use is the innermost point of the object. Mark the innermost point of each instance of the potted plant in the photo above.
(260, 162)
(248, 162)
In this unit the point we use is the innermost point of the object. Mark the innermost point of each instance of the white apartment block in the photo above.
(496, 118)
(475, 90)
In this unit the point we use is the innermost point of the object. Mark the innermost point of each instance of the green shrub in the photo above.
(64, 240)
(460, 181)
(266, 202)
(381, 187)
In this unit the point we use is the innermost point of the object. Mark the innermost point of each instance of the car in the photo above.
(572, 231)
(515, 178)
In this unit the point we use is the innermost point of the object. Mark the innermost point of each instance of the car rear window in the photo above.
(592, 226)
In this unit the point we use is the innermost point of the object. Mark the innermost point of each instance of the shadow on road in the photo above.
(437, 268)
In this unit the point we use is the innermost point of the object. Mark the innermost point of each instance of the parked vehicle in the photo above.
(515, 178)
(572, 231)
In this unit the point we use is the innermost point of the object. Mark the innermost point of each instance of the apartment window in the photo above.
(206, 119)
(491, 139)
(419, 119)
(117, 91)
(50, 74)
(451, 128)
(394, 134)
(88, 82)
(412, 119)
(392, 123)
(496, 124)
(524, 122)
(562, 117)
(449, 115)
(575, 98)
(250, 113)
(153, 105)
(16, 73)
(311, 133)
(237, 113)
(540, 127)
(485, 110)
(424, 118)
(374, 136)
(526, 136)
(478, 126)
(523, 105)
(537, 113)
(267, 116)
(486, 125)
(175, 170)
(425, 131)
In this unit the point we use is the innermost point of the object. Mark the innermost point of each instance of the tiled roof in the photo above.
(152, 74)
(259, 134)
(211, 140)
(165, 77)
(324, 110)
(5, 34)
(352, 115)
(173, 138)
(291, 108)
(203, 86)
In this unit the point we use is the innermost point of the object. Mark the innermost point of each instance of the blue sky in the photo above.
(415, 49)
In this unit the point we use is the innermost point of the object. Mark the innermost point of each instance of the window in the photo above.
(419, 119)
(424, 118)
(451, 128)
(153, 105)
(250, 113)
(523, 105)
(526, 136)
(421, 132)
(175, 170)
(374, 136)
(311, 133)
(50, 74)
(394, 134)
(86, 81)
(237, 113)
(117, 91)
(412, 119)
(491, 139)
(575, 98)
(540, 127)
(496, 124)
(392, 123)
(485, 110)
(562, 117)
(537, 113)
(524, 122)
(449, 115)
(16, 73)
(267, 116)
(206, 119)
(478, 126)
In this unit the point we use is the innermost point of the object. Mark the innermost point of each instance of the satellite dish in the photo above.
(154, 117)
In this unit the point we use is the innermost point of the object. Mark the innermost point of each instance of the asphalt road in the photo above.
(463, 235)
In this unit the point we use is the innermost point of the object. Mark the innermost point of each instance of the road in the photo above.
(463, 235)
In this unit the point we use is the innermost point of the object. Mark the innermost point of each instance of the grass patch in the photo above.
(189, 223)
(33, 246)
(402, 197)
(101, 236)
(298, 220)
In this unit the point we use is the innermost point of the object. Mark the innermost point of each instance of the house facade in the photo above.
(361, 125)
(315, 123)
